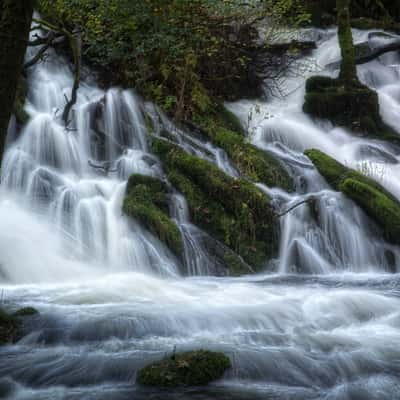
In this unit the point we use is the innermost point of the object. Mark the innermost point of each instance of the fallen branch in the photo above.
(309, 200)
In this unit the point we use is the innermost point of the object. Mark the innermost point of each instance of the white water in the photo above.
(111, 297)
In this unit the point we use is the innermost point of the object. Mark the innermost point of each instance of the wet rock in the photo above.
(9, 327)
(375, 200)
(146, 200)
(26, 312)
(234, 211)
(193, 368)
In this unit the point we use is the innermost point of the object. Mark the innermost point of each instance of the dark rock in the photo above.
(193, 368)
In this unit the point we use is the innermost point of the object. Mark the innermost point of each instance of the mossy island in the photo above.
(194, 368)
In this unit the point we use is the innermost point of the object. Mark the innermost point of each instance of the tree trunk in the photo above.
(348, 71)
(15, 22)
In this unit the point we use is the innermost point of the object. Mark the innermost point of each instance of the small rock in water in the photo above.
(186, 369)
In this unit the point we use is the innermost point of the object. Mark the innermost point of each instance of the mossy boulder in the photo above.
(193, 368)
(353, 106)
(11, 324)
(233, 211)
(146, 200)
(26, 312)
(375, 200)
(9, 327)
(226, 131)
(346, 101)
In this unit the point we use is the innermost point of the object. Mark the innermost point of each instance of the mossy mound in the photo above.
(26, 312)
(376, 201)
(226, 131)
(193, 368)
(146, 200)
(354, 106)
(233, 211)
(9, 327)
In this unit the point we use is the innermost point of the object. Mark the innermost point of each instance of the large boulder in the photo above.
(193, 368)
(233, 211)
(353, 106)
(375, 200)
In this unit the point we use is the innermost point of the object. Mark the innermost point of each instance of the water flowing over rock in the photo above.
(319, 321)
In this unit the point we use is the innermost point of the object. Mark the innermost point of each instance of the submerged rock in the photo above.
(233, 211)
(9, 327)
(375, 200)
(146, 200)
(11, 324)
(187, 369)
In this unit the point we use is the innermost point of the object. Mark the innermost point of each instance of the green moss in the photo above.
(9, 327)
(187, 369)
(146, 200)
(348, 71)
(233, 211)
(376, 201)
(353, 106)
(226, 131)
(26, 312)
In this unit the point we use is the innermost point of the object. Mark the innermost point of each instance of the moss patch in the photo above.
(376, 201)
(226, 131)
(352, 106)
(234, 211)
(9, 327)
(26, 312)
(187, 369)
(146, 199)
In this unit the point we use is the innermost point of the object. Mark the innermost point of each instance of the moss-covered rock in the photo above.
(352, 106)
(146, 200)
(226, 131)
(187, 369)
(346, 101)
(376, 201)
(26, 312)
(232, 210)
(9, 327)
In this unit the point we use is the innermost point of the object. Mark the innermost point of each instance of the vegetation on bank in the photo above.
(183, 55)
(146, 200)
(375, 200)
(194, 368)
(233, 211)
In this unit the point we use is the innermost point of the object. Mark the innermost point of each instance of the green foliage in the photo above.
(181, 54)
(146, 200)
(234, 211)
(187, 369)
(376, 201)
(223, 128)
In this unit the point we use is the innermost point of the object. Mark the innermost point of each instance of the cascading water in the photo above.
(110, 295)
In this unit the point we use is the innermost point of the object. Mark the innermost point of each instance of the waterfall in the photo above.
(112, 299)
